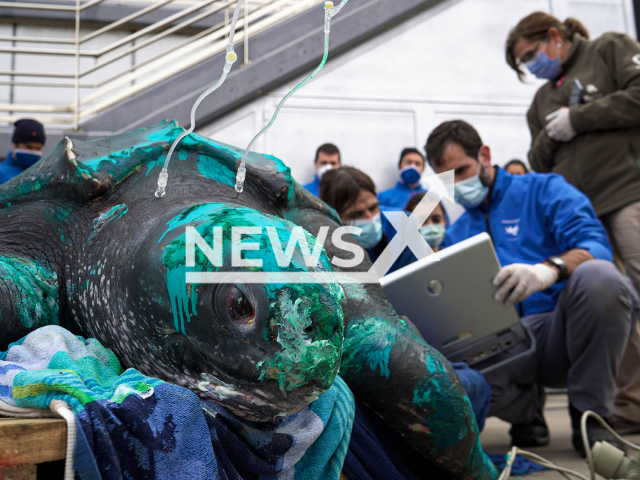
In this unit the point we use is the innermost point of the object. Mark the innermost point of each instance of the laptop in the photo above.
(449, 297)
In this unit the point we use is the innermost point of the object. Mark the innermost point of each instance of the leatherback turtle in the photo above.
(85, 244)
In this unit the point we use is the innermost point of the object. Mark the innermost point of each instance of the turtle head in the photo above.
(244, 308)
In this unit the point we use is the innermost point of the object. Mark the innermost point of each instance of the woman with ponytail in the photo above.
(585, 125)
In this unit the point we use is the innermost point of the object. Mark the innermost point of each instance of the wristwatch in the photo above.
(561, 265)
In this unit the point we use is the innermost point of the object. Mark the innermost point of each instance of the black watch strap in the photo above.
(561, 265)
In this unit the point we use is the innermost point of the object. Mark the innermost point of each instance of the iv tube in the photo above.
(329, 12)
(230, 58)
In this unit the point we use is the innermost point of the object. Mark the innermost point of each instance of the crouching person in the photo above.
(557, 271)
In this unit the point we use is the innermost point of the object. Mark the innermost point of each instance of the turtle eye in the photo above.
(239, 307)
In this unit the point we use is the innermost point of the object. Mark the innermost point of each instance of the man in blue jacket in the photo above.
(28, 140)
(327, 157)
(410, 169)
(557, 271)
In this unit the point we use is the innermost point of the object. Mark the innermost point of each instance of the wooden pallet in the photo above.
(27, 442)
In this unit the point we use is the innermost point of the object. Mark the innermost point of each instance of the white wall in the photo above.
(389, 93)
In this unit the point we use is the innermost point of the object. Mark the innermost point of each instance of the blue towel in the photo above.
(521, 466)
(377, 453)
(133, 426)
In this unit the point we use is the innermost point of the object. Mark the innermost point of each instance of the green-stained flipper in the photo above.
(423, 399)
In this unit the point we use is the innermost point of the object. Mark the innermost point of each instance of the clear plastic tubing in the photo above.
(230, 58)
(329, 12)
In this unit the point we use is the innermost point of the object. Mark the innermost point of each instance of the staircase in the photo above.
(108, 66)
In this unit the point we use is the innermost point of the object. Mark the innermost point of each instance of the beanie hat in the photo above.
(27, 130)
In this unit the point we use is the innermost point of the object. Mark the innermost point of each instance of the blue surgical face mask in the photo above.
(471, 192)
(371, 230)
(544, 67)
(410, 175)
(26, 158)
(433, 234)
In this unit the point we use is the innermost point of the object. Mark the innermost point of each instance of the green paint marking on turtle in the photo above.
(301, 359)
(444, 414)
(180, 293)
(106, 218)
(379, 338)
(195, 213)
(214, 170)
(153, 163)
(35, 290)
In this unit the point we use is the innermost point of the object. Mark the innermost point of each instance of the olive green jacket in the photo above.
(603, 159)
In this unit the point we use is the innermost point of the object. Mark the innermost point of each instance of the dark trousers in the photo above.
(580, 346)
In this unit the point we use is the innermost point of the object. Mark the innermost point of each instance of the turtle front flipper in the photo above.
(417, 393)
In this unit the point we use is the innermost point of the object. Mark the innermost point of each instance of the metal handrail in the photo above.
(24, 107)
(188, 49)
(45, 84)
(37, 6)
(125, 20)
(157, 37)
(155, 26)
(160, 55)
(182, 65)
(43, 51)
(92, 93)
(8, 38)
(90, 4)
(25, 73)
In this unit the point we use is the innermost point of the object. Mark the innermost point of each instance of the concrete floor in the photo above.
(495, 439)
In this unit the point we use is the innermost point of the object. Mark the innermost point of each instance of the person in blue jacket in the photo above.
(28, 139)
(558, 272)
(327, 157)
(410, 169)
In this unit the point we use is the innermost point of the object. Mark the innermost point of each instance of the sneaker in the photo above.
(595, 433)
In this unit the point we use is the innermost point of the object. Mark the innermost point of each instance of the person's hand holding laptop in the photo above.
(518, 281)
(451, 298)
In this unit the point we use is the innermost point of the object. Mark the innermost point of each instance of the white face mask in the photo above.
(320, 171)
(433, 234)
(471, 192)
(371, 230)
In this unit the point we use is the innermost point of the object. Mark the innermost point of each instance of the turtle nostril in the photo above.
(310, 330)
